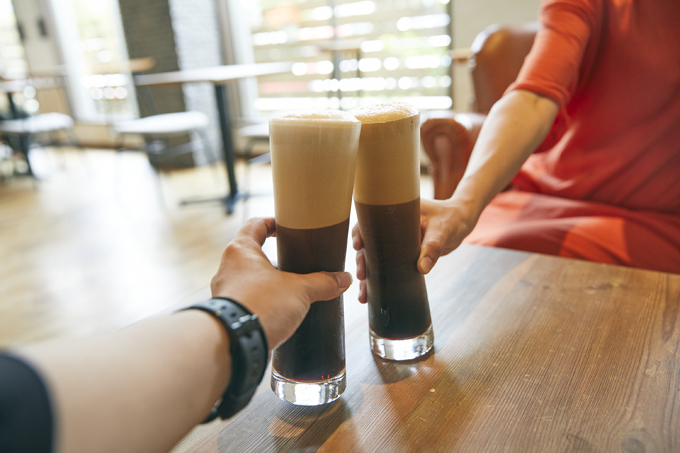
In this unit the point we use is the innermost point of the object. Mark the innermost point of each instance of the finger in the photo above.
(357, 243)
(256, 230)
(361, 265)
(430, 251)
(271, 226)
(326, 285)
(363, 293)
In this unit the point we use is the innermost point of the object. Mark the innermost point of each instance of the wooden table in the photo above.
(219, 76)
(532, 353)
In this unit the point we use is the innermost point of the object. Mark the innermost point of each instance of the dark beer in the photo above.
(316, 351)
(397, 297)
(313, 165)
(387, 200)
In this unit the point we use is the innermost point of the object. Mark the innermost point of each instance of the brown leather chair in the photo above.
(497, 55)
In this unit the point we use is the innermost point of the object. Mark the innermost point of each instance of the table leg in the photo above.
(229, 153)
(221, 94)
(12, 106)
(24, 139)
(25, 145)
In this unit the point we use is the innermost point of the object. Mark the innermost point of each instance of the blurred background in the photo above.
(93, 234)
(396, 49)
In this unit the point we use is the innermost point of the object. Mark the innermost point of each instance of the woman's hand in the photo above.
(279, 299)
(443, 224)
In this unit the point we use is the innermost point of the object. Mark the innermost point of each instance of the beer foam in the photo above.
(388, 164)
(313, 166)
(384, 112)
(319, 115)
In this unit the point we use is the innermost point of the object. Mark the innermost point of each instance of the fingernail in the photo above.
(344, 279)
(426, 264)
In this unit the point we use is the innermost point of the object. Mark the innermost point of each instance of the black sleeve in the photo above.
(26, 421)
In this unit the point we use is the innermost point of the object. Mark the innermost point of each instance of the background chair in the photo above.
(157, 129)
(21, 131)
(497, 55)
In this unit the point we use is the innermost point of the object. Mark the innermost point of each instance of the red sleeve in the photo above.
(554, 64)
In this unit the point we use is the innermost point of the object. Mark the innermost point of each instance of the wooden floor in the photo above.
(91, 247)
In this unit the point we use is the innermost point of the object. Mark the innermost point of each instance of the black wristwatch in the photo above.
(249, 353)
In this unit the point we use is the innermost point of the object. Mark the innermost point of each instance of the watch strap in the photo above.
(249, 353)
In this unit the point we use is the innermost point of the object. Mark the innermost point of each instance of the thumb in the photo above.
(430, 251)
(326, 285)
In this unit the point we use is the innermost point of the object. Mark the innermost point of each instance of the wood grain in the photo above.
(90, 248)
(532, 353)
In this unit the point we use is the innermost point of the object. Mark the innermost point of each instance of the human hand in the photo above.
(358, 245)
(443, 224)
(279, 299)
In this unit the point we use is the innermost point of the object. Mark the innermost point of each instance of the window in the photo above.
(384, 49)
(91, 38)
(11, 49)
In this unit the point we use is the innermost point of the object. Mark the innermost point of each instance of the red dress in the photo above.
(605, 185)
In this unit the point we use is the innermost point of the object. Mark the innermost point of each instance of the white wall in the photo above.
(472, 16)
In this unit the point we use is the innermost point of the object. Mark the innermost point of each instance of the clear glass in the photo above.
(387, 201)
(313, 165)
(405, 349)
(309, 393)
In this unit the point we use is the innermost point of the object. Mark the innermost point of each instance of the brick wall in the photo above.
(148, 33)
(197, 42)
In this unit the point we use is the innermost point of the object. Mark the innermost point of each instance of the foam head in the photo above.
(384, 112)
(389, 154)
(313, 164)
(318, 115)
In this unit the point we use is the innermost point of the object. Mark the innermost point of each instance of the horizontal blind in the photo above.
(352, 53)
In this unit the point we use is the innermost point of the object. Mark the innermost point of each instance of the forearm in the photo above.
(143, 388)
(139, 389)
(514, 128)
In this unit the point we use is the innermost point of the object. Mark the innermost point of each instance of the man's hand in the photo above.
(443, 225)
(279, 299)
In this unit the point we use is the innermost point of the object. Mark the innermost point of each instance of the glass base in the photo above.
(313, 393)
(406, 349)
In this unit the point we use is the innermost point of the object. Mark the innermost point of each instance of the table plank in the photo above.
(532, 353)
(215, 74)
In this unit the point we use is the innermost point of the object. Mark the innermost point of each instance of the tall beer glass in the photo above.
(313, 166)
(387, 200)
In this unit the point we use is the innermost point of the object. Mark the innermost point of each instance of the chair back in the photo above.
(498, 53)
(139, 66)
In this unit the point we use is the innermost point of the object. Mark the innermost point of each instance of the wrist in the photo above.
(248, 352)
(465, 210)
(207, 333)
